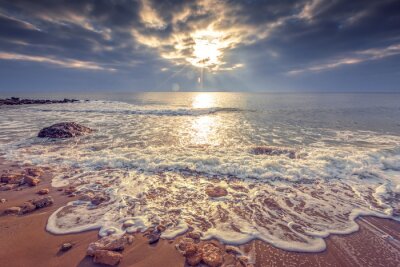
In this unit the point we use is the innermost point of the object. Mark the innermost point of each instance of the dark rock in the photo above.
(43, 202)
(273, 151)
(65, 247)
(64, 130)
(153, 237)
(32, 181)
(12, 178)
(27, 207)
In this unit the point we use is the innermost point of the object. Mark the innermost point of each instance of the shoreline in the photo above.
(375, 243)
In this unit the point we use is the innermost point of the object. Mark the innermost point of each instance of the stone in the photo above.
(86, 197)
(3, 200)
(32, 181)
(27, 207)
(112, 243)
(153, 238)
(12, 178)
(211, 255)
(273, 151)
(194, 235)
(194, 260)
(35, 172)
(187, 247)
(70, 190)
(8, 187)
(233, 250)
(107, 257)
(65, 247)
(128, 223)
(13, 210)
(43, 191)
(64, 130)
(98, 199)
(160, 228)
(216, 191)
(43, 202)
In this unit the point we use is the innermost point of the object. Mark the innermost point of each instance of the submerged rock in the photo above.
(273, 151)
(216, 191)
(64, 130)
(107, 257)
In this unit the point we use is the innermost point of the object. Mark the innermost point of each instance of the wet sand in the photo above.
(25, 242)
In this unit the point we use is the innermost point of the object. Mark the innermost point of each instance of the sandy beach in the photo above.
(25, 242)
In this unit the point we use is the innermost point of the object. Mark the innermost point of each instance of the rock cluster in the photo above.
(273, 151)
(107, 250)
(18, 101)
(10, 180)
(30, 206)
(64, 130)
(207, 252)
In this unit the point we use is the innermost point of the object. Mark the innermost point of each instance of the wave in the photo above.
(155, 112)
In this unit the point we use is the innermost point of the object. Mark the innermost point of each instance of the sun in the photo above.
(207, 49)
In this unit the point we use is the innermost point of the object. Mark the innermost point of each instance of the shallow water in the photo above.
(154, 153)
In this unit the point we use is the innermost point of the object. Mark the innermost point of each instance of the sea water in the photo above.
(153, 154)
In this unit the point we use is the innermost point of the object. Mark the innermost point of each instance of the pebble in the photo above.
(66, 246)
(107, 257)
(43, 191)
(153, 238)
(3, 200)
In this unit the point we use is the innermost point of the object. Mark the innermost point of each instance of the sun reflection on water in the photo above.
(203, 100)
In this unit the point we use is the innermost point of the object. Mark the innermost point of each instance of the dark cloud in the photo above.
(140, 40)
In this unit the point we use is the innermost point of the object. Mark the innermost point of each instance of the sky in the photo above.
(199, 45)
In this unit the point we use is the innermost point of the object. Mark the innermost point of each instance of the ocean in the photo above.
(153, 154)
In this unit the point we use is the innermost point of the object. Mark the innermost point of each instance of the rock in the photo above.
(43, 191)
(211, 255)
(216, 191)
(112, 243)
(64, 130)
(193, 235)
(12, 178)
(128, 223)
(3, 200)
(43, 202)
(27, 207)
(65, 247)
(187, 247)
(233, 250)
(70, 190)
(160, 228)
(107, 257)
(8, 187)
(35, 172)
(273, 151)
(98, 199)
(153, 238)
(32, 181)
(194, 259)
(86, 197)
(13, 210)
